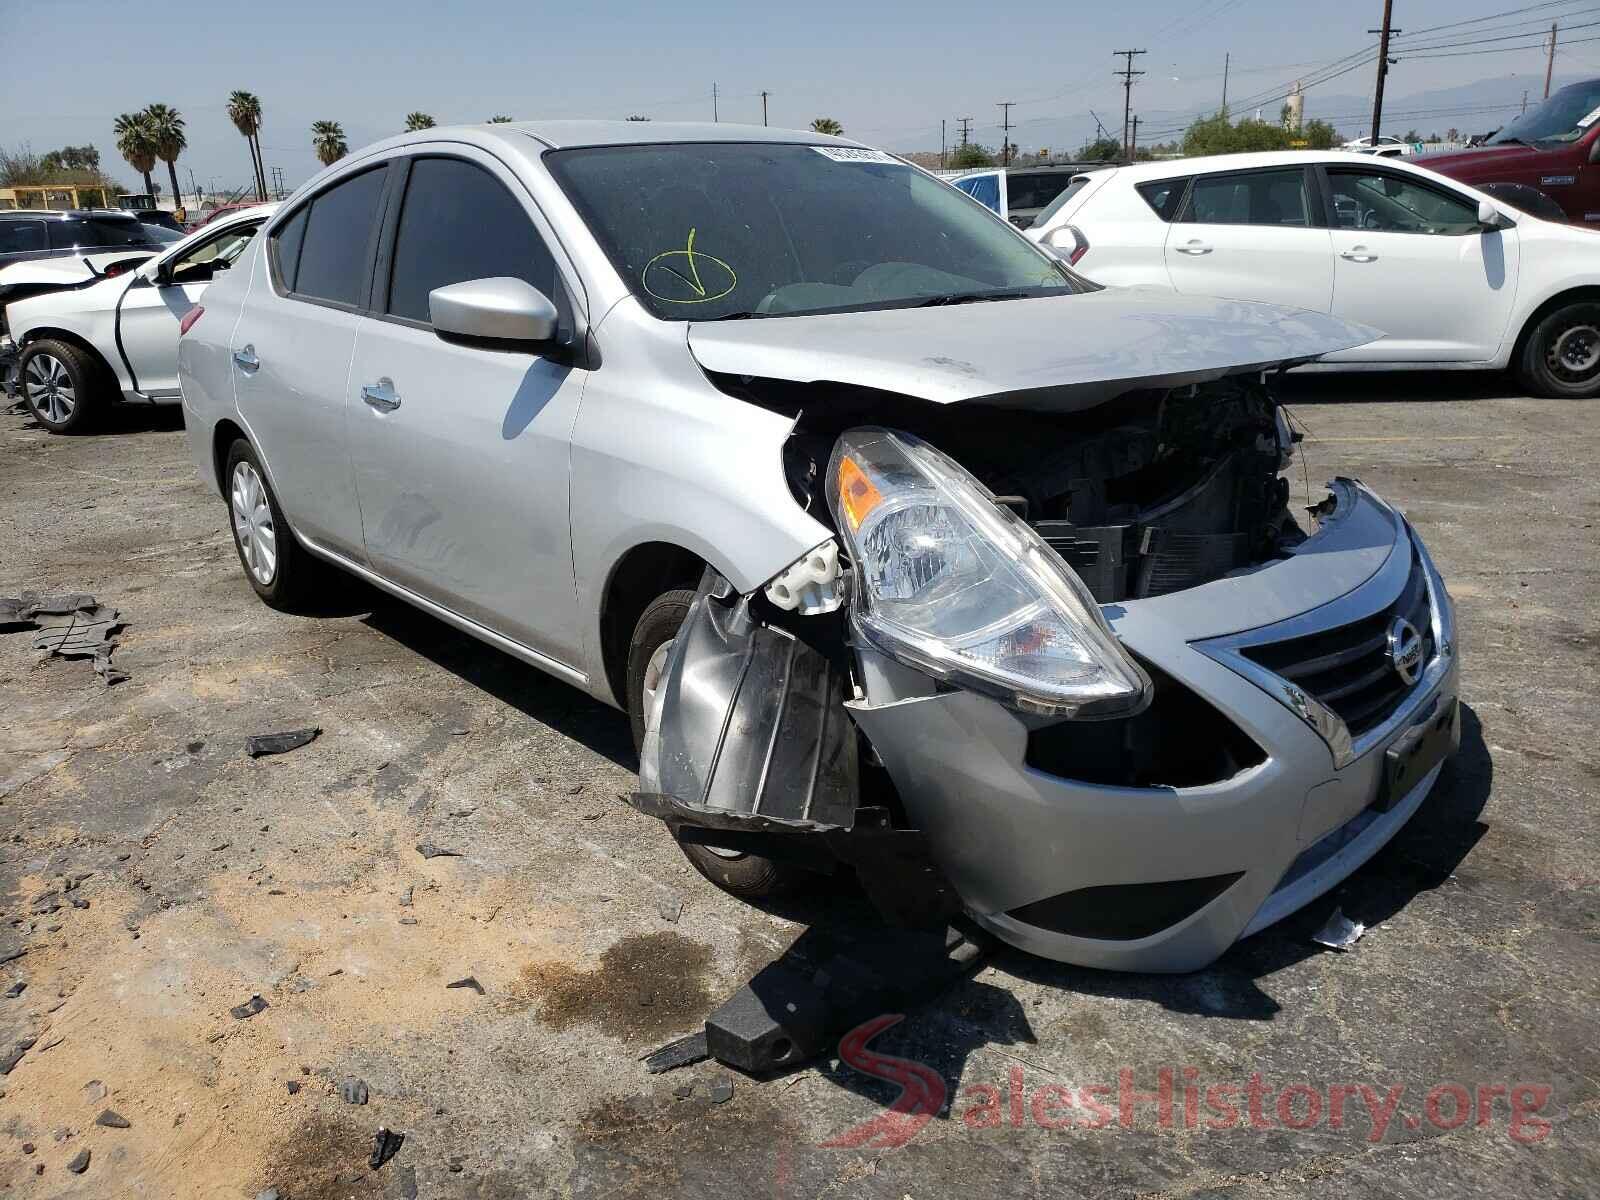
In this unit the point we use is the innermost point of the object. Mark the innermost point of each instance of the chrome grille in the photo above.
(1347, 668)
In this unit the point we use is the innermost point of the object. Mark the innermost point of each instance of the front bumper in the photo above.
(1274, 836)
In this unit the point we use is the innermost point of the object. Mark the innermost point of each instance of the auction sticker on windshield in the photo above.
(851, 154)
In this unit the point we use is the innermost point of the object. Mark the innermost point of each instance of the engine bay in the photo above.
(1150, 493)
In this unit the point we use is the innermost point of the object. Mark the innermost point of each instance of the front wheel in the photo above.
(1561, 357)
(748, 876)
(63, 385)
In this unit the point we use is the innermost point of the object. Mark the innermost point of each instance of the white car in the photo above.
(81, 349)
(1453, 277)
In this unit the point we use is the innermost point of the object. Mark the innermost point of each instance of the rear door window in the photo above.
(1252, 198)
(21, 236)
(1164, 196)
(459, 222)
(334, 256)
(285, 247)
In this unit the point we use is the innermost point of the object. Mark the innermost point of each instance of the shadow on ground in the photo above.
(1392, 387)
(535, 694)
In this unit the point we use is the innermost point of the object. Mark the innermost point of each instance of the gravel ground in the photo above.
(155, 877)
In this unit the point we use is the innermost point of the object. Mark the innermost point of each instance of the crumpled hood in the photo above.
(1061, 353)
(67, 270)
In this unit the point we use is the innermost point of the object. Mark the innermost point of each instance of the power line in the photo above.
(1005, 131)
(1127, 74)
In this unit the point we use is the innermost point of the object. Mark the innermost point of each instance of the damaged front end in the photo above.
(1012, 683)
(749, 748)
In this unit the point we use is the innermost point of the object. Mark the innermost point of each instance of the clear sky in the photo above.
(889, 72)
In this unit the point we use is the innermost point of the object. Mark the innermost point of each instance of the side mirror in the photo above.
(1491, 217)
(150, 272)
(499, 309)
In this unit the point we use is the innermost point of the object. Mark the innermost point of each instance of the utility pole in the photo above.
(966, 128)
(1133, 149)
(1383, 66)
(941, 143)
(1524, 101)
(714, 102)
(1225, 60)
(1128, 74)
(764, 96)
(1550, 63)
(1005, 131)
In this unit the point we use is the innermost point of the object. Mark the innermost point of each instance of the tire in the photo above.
(748, 876)
(64, 386)
(282, 572)
(1561, 357)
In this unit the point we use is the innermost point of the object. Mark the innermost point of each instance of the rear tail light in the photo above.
(189, 318)
(1080, 249)
(115, 269)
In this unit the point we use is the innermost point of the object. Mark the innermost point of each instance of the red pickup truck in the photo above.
(1550, 154)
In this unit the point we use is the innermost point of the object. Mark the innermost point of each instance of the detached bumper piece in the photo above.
(751, 749)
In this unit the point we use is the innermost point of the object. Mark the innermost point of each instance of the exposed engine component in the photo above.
(1150, 493)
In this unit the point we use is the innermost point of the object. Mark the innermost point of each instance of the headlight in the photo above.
(960, 587)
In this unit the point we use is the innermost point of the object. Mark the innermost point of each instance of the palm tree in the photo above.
(418, 120)
(828, 126)
(136, 144)
(244, 110)
(502, 120)
(166, 131)
(327, 138)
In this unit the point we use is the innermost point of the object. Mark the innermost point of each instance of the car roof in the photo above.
(67, 214)
(1168, 167)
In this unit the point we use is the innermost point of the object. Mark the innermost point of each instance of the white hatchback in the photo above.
(1454, 278)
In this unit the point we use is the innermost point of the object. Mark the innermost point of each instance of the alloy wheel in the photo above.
(252, 524)
(49, 386)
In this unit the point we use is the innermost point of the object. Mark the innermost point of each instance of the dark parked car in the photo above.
(27, 234)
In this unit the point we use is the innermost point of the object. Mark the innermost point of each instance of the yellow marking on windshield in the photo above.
(702, 291)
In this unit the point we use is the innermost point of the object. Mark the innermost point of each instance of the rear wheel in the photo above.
(1562, 355)
(748, 876)
(280, 570)
(64, 386)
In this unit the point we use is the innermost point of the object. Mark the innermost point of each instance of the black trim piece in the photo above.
(116, 325)
(1124, 912)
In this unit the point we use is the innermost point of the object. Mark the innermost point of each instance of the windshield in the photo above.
(1565, 117)
(705, 231)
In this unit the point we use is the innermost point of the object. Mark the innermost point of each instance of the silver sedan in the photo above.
(907, 550)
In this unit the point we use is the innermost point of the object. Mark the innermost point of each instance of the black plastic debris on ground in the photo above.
(386, 1144)
(281, 743)
(827, 983)
(243, 1012)
(75, 626)
(681, 1053)
(429, 850)
(470, 981)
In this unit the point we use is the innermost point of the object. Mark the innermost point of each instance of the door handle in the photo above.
(1193, 246)
(1358, 254)
(381, 395)
(246, 358)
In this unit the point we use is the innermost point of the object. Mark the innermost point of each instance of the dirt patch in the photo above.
(645, 985)
(325, 1158)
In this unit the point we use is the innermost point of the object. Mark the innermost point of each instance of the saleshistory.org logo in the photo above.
(1179, 1099)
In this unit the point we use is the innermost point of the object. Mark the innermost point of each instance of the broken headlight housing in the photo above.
(958, 586)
